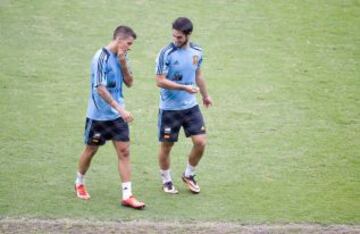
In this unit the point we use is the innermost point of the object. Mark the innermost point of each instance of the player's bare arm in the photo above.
(162, 82)
(200, 82)
(128, 77)
(104, 93)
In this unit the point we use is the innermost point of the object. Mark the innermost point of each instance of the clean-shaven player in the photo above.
(178, 74)
(107, 118)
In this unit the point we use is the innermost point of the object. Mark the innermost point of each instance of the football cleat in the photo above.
(81, 192)
(191, 183)
(168, 187)
(132, 202)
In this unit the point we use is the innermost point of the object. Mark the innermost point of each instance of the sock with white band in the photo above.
(165, 175)
(80, 178)
(126, 190)
(190, 170)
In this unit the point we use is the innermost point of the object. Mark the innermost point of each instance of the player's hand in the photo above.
(207, 101)
(127, 116)
(121, 53)
(191, 89)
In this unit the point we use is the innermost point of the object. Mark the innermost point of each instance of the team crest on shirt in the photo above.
(195, 59)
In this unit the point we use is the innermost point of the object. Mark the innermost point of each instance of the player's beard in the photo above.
(185, 43)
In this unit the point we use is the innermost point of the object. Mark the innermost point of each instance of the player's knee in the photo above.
(167, 146)
(124, 152)
(91, 150)
(200, 143)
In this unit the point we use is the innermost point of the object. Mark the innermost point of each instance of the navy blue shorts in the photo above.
(98, 132)
(170, 122)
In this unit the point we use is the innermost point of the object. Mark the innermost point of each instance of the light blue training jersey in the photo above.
(106, 71)
(178, 65)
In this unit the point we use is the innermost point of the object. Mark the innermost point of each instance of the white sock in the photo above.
(165, 175)
(190, 170)
(126, 190)
(80, 178)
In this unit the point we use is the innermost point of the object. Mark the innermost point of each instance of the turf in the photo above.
(284, 131)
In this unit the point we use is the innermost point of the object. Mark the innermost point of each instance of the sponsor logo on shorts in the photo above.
(96, 137)
(167, 130)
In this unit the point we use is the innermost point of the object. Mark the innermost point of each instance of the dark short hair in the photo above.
(183, 25)
(123, 32)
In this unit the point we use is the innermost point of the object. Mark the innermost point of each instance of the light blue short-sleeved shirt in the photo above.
(106, 71)
(178, 65)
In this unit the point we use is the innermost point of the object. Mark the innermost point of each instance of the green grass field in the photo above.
(284, 131)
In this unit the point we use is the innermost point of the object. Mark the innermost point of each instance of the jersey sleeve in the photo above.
(100, 67)
(162, 63)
